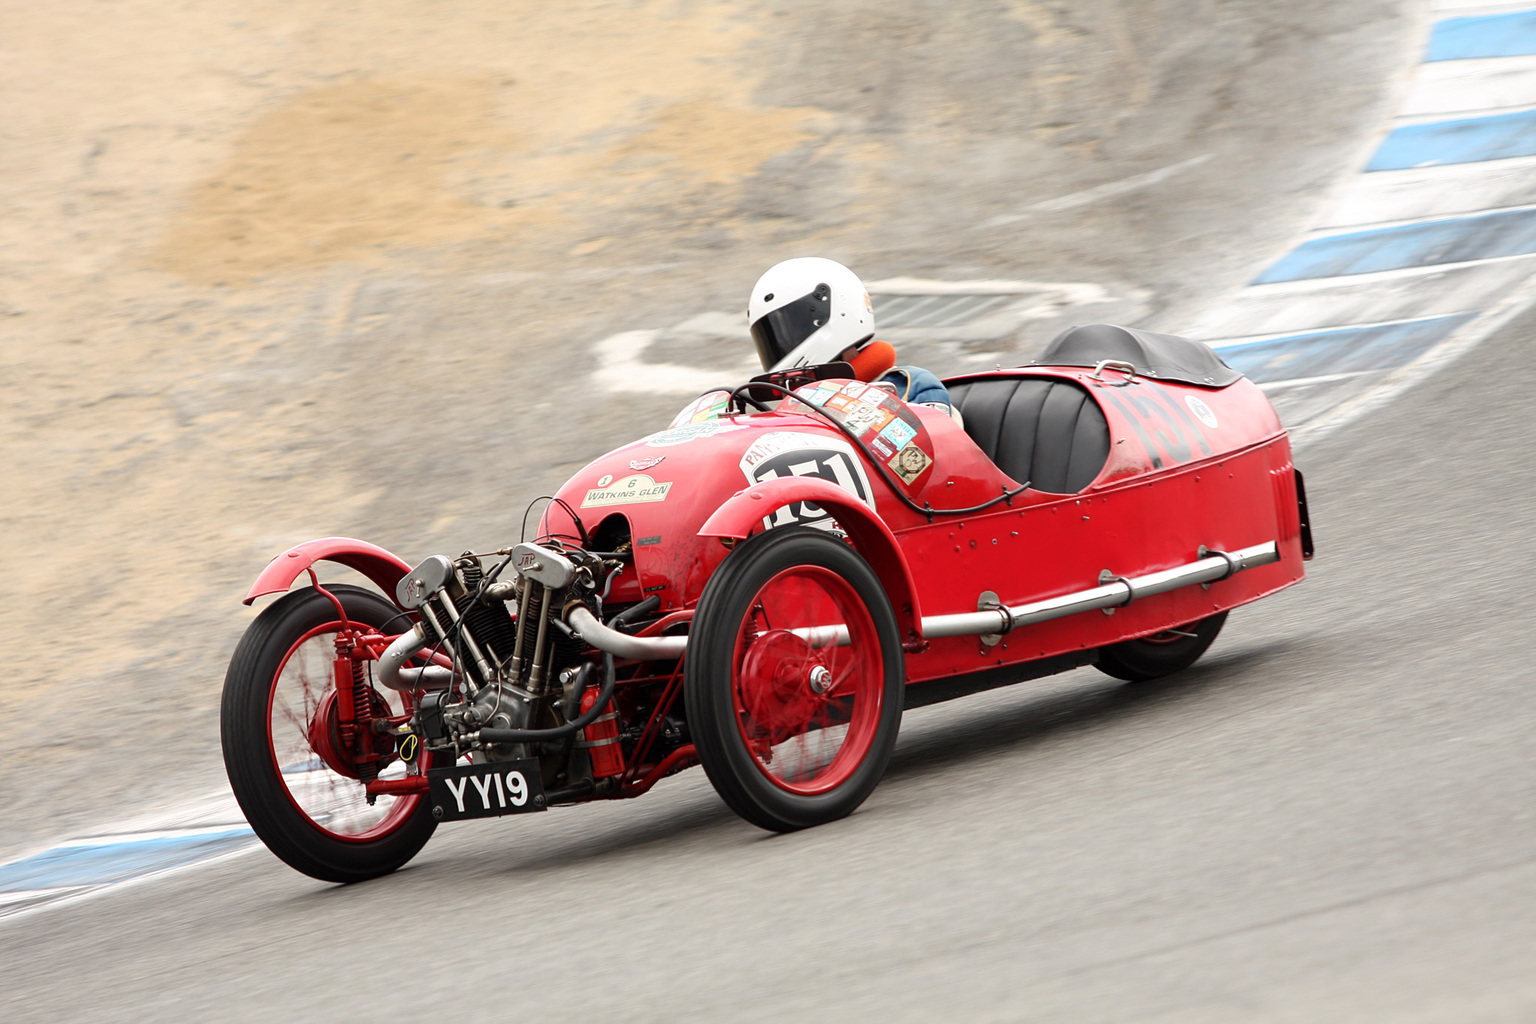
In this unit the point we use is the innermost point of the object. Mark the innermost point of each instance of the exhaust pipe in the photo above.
(393, 674)
(622, 645)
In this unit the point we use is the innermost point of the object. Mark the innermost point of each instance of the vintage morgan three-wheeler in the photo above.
(762, 588)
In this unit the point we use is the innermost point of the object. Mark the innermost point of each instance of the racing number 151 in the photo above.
(1162, 425)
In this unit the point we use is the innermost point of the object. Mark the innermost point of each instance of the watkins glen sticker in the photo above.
(690, 432)
(629, 490)
(1202, 411)
(909, 463)
(785, 453)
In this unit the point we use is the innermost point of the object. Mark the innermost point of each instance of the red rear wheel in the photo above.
(1160, 654)
(794, 676)
(295, 778)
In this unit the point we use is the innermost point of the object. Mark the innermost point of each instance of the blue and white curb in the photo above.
(1429, 249)
(135, 851)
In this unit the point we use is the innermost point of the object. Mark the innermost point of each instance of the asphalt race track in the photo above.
(1330, 817)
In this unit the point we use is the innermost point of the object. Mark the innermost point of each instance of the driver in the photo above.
(811, 310)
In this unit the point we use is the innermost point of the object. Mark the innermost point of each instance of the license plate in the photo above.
(485, 790)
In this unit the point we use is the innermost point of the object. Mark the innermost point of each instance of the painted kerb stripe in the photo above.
(1461, 140)
(104, 863)
(1478, 236)
(1488, 35)
(1342, 350)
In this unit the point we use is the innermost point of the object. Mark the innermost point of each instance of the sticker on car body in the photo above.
(786, 453)
(909, 463)
(1202, 411)
(629, 490)
(690, 432)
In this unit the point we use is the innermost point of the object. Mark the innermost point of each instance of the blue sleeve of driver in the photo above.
(915, 384)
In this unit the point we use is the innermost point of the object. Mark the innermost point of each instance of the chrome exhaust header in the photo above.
(622, 645)
(392, 673)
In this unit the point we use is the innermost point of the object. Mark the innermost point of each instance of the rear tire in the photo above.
(312, 817)
(793, 730)
(1160, 654)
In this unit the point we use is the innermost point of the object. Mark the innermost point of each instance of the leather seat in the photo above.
(1047, 432)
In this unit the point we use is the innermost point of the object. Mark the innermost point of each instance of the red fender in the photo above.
(380, 566)
(745, 510)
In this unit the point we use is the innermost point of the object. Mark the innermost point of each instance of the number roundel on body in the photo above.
(787, 453)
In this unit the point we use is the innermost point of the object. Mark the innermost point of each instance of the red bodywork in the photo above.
(1189, 468)
(1172, 484)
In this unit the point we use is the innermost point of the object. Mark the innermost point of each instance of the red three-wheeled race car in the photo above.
(762, 588)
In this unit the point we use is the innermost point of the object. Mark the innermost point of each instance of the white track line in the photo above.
(1296, 306)
(1425, 192)
(1478, 85)
(1087, 196)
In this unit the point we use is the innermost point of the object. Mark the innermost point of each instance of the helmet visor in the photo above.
(780, 332)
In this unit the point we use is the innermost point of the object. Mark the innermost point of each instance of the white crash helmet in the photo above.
(806, 311)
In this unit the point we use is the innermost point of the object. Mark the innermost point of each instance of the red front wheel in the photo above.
(794, 679)
(293, 770)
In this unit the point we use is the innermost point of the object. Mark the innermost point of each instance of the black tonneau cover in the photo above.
(1163, 356)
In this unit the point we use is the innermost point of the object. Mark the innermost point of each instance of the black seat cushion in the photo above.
(1049, 433)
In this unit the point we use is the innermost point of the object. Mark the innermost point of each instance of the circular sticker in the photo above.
(605, 480)
(1201, 410)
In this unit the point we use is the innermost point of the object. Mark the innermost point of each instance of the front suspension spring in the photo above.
(366, 758)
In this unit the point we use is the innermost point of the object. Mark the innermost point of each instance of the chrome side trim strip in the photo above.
(1206, 569)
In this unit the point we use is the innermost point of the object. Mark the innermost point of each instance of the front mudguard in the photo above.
(745, 510)
(382, 567)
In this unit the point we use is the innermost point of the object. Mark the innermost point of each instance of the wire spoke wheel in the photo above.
(808, 712)
(793, 679)
(295, 772)
(313, 766)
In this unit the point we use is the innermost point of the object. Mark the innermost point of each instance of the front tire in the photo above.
(1162, 653)
(280, 681)
(794, 725)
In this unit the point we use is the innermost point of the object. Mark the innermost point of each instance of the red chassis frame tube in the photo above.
(398, 787)
(676, 761)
